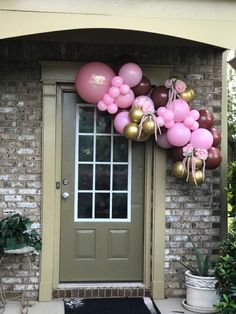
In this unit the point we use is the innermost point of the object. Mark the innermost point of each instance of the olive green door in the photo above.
(102, 198)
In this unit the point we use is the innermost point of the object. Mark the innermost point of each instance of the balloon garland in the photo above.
(142, 110)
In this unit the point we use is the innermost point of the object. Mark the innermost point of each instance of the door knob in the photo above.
(65, 195)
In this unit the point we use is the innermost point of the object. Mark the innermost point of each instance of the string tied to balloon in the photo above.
(175, 87)
(188, 153)
(152, 118)
(202, 154)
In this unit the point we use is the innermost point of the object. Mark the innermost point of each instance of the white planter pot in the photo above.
(201, 293)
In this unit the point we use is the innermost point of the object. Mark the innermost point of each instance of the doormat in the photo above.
(111, 306)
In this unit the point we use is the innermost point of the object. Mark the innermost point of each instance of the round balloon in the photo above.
(125, 101)
(198, 176)
(131, 131)
(201, 138)
(179, 135)
(121, 120)
(180, 109)
(131, 74)
(143, 88)
(188, 95)
(206, 119)
(214, 158)
(178, 170)
(93, 81)
(177, 153)
(216, 136)
(159, 96)
(121, 60)
(162, 141)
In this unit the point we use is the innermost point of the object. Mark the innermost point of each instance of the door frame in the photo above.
(58, 76)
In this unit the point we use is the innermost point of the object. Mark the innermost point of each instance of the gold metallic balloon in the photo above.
(198, 163)
(143, 137)
(198, 177)
(131, 131)
(178, 170)
(188, 95)
(148, 127)
(136, 114)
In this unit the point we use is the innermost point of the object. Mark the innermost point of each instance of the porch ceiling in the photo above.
(209, 22)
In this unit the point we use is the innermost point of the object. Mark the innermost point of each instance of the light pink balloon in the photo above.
(195, 114)
(201, 138)
(125, 101)
(162, 141)
(195, 126)
(114, 92)
(93, 81)
(112, 108)
(180, 108)
(160, 121)
(101, 106)
(169, 124)
(189, 121)
(131, 74)
(107, 99)
(168, 115)
(121, 120)
(179, 135)
(117, 81)
(124, 89)
(161, 111)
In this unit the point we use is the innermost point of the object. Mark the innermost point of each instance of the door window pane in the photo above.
(120, 150)
(86, 148)
(102, 177)
(120, 177)
(84, 205)
(102, 205)
(85, 177)
(119, 205)
(86, 120)
(103, 148)
(103, 124)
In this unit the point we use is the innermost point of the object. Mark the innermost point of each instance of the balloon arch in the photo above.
(141, 110)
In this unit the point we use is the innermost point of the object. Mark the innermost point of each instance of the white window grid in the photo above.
(94, 163)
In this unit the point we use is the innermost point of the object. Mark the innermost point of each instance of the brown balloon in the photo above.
(214, 158)
(216, 136)
(148, 127)
(177, 153)
(206, 119)
(198, 177)
(131, 131)
(143, 88)
(178, 170)
(160, 96)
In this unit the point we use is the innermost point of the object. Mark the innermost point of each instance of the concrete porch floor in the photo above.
(167, 306)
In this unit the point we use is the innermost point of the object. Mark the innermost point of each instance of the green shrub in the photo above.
(225, 272)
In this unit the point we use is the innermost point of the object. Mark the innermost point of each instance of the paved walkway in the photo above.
(167, 306)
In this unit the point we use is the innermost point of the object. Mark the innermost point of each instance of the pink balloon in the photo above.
(169, 124)
(201, 138)
(124, 89)
(121, 120)
(179, 135)
(161, 111)
(189, 121)
(180, 108)
(107, 99)
(195, 114)
(101, 106)
(168, 115)
(125, 101)
(114, 92)
(117, 81)
(112, 108)
(93, 81)
(162, 141)
(195, 126)
(160, 121)
(131, 74)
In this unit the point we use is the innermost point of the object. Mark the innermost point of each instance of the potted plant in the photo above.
(225, 273)
(18, 232)
(200, 282)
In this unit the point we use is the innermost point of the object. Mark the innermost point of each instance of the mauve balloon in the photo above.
(159, 96)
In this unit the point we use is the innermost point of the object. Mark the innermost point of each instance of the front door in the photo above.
(102, 198)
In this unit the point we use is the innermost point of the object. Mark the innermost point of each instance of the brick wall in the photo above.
(189, 210)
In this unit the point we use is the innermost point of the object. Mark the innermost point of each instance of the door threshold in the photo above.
(102, 285)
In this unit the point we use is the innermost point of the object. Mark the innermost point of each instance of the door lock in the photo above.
(65, 195)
